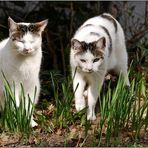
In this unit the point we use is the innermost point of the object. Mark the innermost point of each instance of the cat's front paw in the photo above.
(91, 117)
(33, 123)
(80, 105)
(85, 94)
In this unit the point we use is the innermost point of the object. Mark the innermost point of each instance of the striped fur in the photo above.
(97, 47)
(110, 39)
(111, 19)
(95, 33)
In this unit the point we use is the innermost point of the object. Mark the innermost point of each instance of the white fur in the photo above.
(117, 61)
(21, 67)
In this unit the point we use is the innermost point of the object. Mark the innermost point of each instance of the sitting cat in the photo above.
(20, 60)
(97, 47)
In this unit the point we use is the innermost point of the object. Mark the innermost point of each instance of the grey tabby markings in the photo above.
(110, 39)
(110, 19)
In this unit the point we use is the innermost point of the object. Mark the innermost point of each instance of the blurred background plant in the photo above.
(66, 17)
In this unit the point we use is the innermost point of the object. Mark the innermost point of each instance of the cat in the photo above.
(20, 60)
(97, 47)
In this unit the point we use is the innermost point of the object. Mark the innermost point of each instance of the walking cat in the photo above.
(97, 46)
(20, 60)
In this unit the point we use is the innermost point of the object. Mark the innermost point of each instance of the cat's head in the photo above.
(26, 37)
(88, 56)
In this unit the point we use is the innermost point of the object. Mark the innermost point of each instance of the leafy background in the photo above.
(65, 17)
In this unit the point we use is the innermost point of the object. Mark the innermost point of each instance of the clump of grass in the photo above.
(63, 96)
(123, 108)
(16, 119)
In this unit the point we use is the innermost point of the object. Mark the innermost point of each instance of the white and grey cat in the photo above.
(20, 60)
(97, 46)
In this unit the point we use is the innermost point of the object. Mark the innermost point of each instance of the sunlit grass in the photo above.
(121, 108)
(63, 96)
(13, 118)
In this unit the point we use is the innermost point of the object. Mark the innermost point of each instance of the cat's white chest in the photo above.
(26, 70)
(22, 69)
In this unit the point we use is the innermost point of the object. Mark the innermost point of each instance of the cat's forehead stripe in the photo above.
(94, 33)
(91, 47)
(25, 28)
(109, 36)
(87, 25)
(22, 29)
(110, 19)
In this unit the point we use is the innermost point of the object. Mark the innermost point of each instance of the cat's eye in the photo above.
(20, 41)
(82, 60)
(96, 60)
(17, 40)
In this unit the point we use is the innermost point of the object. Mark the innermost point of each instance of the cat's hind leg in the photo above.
(31, 98)
(122, 69)
(17, 96)
(121, 66)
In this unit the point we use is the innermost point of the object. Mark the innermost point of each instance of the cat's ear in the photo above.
(12, 24)
(76, 45)
(41, 25)
(101, 43)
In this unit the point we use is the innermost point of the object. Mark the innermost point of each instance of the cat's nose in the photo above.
(27, 50)
(90, 70)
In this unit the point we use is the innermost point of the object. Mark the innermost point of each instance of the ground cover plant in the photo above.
(13, 118)
(122, 113)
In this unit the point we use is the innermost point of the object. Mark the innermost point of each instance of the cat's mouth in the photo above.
(89, 71)
(85, 70)
(26, 52)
